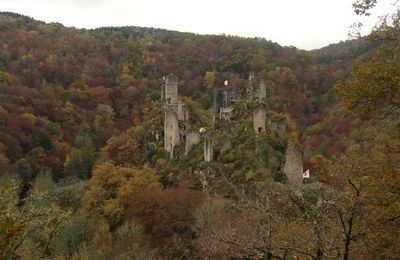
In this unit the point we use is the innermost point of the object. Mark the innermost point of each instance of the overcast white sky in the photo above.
(306, 24)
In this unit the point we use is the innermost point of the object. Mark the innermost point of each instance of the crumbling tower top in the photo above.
(261, 92)
(171, 89)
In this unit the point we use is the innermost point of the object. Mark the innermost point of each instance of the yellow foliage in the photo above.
(371, 85)
(209, 79)
(4, 77)
(112, 187)
(113, 209)
(28, 118)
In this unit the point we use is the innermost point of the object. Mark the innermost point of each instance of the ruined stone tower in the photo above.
(169, 94)
(171, 132)
(293, 168)
(176, 119)
(229, 97)
(171, 123)
(259, 118)
(257, 91)
(250, 86)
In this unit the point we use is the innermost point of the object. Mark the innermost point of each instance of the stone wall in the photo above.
(225, 113)
(279, 127)
(208, 149)
(293, 168)
(171, 132)
(226, 145)
(183, 113)
(192, 138)
(250, 86)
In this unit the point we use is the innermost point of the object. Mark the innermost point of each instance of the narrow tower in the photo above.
(259, 95)
(171, 122)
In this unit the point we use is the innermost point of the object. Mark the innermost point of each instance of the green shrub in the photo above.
(230, 157)
(250, 175)
(265, 153)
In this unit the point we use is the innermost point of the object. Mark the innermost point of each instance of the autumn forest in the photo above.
(84, 173)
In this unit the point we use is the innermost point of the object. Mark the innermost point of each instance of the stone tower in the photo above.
(293, 168)
(170, 90)
(172, 135)
(171, 131)
(229, 96)
(259, 95)
(176, 119)
(259, 118)
(250, 86)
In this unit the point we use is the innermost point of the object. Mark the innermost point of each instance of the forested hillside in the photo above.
(56, 80)
(79, 116)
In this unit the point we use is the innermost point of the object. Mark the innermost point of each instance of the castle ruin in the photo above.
(176, 116)
(176, 119)
(177, 129)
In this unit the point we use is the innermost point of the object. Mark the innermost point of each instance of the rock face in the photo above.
(293, 168)
(226, 113)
